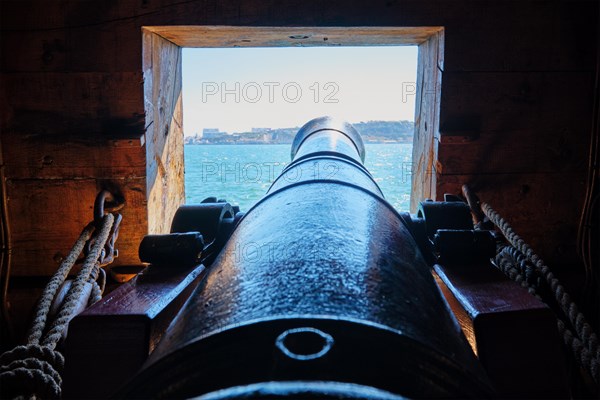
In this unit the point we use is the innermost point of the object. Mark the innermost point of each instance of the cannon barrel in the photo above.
(320, 292)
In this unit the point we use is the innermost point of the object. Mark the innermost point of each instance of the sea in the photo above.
(241, 174)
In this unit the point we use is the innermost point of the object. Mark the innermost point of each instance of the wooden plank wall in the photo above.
(514, 111)
(72, 124)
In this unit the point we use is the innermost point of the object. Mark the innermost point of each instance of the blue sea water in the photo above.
(241, 174)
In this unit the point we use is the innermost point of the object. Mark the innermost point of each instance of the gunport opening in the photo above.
(229, 100)
(243, 106)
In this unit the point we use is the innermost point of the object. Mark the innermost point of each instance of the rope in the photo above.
(34, 369)
(583, 342)
(43, 307)
(77, 287)
(97, 289)
(31, 369)
(507, 261)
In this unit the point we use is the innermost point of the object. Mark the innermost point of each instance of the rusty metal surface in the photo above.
(317, 255)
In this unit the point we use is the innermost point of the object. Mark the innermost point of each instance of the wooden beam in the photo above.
(425, 142)
(74, 157)
(513, 334)
(164, 133)
(477, 102)
(85, 95)
(277, 36)
(122, 329)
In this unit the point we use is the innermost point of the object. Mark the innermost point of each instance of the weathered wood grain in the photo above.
(478, 102)
(499, 123)
(164, 145)
(47, 216)
(74, 157)
(86, 95)
(274, 36)
(555, 150)
(34, 51)
(111, 47)
(427, 104)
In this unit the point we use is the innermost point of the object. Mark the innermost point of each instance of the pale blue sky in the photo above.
(240, 88)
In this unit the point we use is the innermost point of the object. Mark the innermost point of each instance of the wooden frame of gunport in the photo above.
(163, 106)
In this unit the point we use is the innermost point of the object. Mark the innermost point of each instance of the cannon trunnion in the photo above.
(319, 291)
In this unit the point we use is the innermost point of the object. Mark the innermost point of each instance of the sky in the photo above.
(236, 89)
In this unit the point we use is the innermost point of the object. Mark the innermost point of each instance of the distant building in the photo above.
(212, 133)
(260, 130)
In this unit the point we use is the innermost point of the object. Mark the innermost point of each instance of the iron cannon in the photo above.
(320, 290)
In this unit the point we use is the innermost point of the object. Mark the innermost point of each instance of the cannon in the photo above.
(320, 290)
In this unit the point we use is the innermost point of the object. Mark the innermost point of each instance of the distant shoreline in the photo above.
(372, 132)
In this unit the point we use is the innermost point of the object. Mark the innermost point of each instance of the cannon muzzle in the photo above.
(319, 291)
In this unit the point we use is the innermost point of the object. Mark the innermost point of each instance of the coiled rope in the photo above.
(33, 370)
(523, 265)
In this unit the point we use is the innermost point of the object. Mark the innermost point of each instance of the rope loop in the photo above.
(31, 370)
(577, 334)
